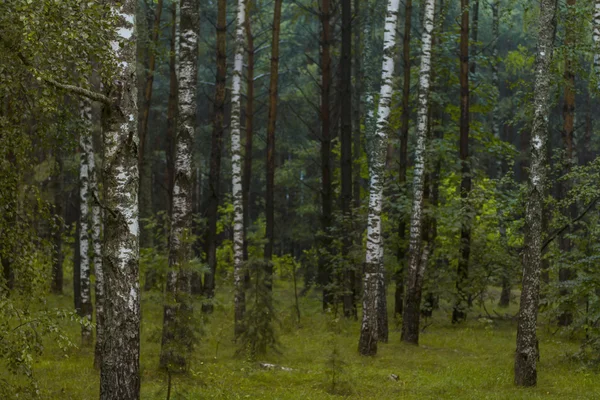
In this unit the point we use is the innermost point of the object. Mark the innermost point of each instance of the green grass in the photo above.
(470, 361)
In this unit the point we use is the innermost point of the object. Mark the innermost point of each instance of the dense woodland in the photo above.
(299, 199)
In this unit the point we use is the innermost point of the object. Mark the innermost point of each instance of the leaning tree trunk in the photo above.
(177, 336)
(271, 123)
(214, 180)
(325, 272)
(527, 343)
(236, 170)
(85, 139)
(346, 157)
(399, 275)
(416, 256)
(373, 275)
(119, 375)
(459, 313)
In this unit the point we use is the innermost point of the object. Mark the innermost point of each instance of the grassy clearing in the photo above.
(471, 361)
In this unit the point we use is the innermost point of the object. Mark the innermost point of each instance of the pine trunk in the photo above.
(527, 344)
(214, 180)
(358, 87)
(236, 170)
(463, 300)
(418, 251)
(373, 285)
(119, 375)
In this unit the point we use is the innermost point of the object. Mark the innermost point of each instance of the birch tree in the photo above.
(418, 251)
(119, 374)
(177, 339)
(236, 168)
(85, 139)
(527, 344)
(373, 275)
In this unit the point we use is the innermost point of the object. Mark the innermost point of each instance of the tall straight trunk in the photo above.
(85, 142)
(214, 180)
(58, 256)
(459, 313)
(565, 274)
(236, 169)
(373, 269)
(119, 374)
(527, 344)
(96, 242)
(145, 166)
(325, 273)
(76, 253)
(346, 155)
(474, 36)
(177, 339)
(596, 38)
(417, 251)
(271, 122)
(358, 87)
(249, 124)
(399, 276)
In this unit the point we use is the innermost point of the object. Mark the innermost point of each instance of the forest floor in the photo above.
(470, 361)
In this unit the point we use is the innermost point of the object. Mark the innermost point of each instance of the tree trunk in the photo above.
(459, 312)
(249, 124)
(145, 166)
(418, 257)
(58, 256)
(475, 36)
(527, 343)
(272, 119)
(119, 375)
(214, 179)
(346, 157)
(358, 86)
(399, 276)
(85, 142)
(596, 38)
(236, 170)
(373, 272)
(566, 274)
(325, 273)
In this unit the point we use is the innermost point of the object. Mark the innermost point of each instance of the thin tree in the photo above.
(418, 251)
(459, 313)
(359, 110)
(399, 275)
(119, 374)
(236, 169)
(271, 123)
(373, 269)
(214, 179)
(527, 344)
(85, 139)
(596, 38)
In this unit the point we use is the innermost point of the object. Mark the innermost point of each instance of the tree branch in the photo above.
(570, 223)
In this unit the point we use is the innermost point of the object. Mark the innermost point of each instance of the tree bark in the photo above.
(373, 270)
(527, 343)
(145, 166)
(459, 313)
(417, 251)
(119, 375)
(214, 179)
(399, 276)
(271, 122)
(177, 337)
(325, 273)
(85, 142)
(358, 87)
(59, 198)
(236, 170)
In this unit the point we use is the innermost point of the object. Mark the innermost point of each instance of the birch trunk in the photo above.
(373, 276)
(85, 143)
(249, 124)
(416, 256)
(527, 348)
(119, 375)
(236, 169)
(177, 339)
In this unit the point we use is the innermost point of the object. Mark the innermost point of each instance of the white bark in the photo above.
(236, 164)
(417, 260)
(373, 278)
(85, 139)
(119, 375)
